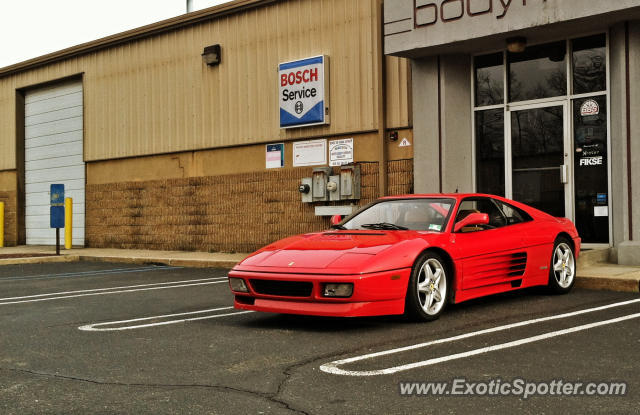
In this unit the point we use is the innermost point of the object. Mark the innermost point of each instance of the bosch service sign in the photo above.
(303, 97)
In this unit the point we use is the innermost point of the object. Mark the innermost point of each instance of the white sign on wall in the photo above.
(340, 152)
(310, 153)
(303, 93)
(274, 156)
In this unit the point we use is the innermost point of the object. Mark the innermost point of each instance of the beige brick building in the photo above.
(162, 151)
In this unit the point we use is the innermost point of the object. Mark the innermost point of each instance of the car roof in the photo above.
(440, 196)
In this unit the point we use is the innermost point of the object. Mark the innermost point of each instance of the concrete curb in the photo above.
(39, 260)
(189, 263)
(630, 285)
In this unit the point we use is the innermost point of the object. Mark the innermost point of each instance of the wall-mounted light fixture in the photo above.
(211, 55)
(517, 44)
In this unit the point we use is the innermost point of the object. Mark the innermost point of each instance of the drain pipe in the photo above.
(189, 6)
(382, 106)
(628, 128)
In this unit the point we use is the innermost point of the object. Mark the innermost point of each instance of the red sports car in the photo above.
(410, 254)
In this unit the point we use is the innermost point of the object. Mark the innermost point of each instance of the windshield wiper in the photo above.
(338, 227)
(384, 226)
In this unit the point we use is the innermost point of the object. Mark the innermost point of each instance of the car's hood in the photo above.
(335, 251)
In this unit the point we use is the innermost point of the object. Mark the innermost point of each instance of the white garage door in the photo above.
(53, 154)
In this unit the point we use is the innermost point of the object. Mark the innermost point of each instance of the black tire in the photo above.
(425, 300)
(562, 267)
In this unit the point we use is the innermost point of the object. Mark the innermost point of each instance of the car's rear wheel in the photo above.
(562, 271)
(429, 286)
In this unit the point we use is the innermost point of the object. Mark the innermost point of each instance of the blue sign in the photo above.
(57, 206)
(302, 92)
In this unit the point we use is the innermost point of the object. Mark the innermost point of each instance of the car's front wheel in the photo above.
(562, 271)
(428, 290)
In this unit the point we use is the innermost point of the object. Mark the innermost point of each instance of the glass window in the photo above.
(489, 79)
(589, 64)
(414, 214)
(512, 213)
(590, 169)
(482, 205)
(490, 151)
(539, 72)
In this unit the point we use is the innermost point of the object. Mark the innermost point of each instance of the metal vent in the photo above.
(518, 264)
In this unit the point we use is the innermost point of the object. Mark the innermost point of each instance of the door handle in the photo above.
(563, 174)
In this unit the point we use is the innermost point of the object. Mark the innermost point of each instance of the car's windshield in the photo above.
(403, 214)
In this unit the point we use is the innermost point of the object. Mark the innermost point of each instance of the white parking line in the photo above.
(93, 327)
(88, 273)
(333, 367)
(111, 290)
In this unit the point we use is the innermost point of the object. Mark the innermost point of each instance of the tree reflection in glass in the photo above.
(589, 64)
(539, 72)
(489, 79)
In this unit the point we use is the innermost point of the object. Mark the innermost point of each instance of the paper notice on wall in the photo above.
(341, 152)
(599, 211)
(275, 156)
(310, 153)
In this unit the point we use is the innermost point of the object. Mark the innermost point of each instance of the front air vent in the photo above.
(354, 234)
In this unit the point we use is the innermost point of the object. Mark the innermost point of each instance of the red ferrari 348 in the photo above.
(410, 254)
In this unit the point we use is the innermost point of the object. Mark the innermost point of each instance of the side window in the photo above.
(466, 208)
(497, 218)
(513, 214)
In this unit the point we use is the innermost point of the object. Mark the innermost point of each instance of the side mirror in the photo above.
(336, 219)
(472, 219)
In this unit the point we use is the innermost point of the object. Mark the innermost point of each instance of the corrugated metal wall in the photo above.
(155, 95)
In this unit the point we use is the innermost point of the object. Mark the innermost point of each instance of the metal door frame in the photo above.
(567, 167)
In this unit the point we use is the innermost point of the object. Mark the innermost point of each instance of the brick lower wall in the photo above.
(231, 213)
(10, 217)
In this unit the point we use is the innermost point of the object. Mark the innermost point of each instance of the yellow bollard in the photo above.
(1, 224)
(68, 222)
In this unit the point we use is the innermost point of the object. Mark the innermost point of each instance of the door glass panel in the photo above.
(539, 72)
(489, 79)
(490, 152)
(589, 64)
(590, 167)
(537, 143)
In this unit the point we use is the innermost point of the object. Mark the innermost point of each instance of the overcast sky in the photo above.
(32, 28)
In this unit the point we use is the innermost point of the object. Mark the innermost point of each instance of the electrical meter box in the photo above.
(320, 179)
(333, 187)
(350, 182)
(305, 189)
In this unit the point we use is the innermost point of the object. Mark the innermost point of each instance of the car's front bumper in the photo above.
(380, 293)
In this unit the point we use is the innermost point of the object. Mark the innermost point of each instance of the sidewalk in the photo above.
(593, 270)
(133, 256)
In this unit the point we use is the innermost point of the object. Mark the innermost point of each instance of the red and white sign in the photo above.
(589, 107)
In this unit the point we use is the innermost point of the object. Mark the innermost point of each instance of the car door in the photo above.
(491, 255)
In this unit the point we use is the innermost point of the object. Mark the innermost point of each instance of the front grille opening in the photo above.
(243, 299)
(282, 288)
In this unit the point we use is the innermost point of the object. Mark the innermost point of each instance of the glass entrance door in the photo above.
(539, 162)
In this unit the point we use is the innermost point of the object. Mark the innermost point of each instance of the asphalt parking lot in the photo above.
(119, 338)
